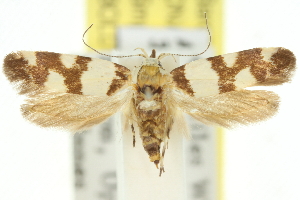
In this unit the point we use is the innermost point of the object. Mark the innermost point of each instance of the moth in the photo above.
(75, 92)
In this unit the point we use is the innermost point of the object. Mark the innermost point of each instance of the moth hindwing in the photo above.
(75, 92)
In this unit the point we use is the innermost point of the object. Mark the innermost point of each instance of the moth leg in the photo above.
(133, 132)
(168, 133)
(161, 166)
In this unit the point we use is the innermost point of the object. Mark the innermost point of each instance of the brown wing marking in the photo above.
(17, 68)
(122, 74)
(277, 71)
(51, 61)
(226, 74)
(181, 81)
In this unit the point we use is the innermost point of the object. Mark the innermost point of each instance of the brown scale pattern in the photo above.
(122, 74)
(266, 73)
(181, 81)
(277, 71)
(226, 74)
(51, 61)
(17, 68)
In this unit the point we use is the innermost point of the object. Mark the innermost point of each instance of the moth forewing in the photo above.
(225, 102)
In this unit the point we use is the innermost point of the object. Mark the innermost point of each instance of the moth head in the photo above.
(151, 62)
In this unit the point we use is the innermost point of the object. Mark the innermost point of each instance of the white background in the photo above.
(261, 161)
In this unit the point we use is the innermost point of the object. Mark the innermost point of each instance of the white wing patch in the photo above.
(230, 59)
(98, 79)
(29, 56)
(68, 60)
(267, 53)
(244, 79)
(56, 82)
(202, 78)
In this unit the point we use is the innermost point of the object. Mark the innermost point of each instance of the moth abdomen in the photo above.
(152, 147)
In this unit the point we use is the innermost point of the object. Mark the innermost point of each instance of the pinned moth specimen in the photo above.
(75, 93)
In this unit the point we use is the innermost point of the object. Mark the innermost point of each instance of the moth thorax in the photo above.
(149, 76)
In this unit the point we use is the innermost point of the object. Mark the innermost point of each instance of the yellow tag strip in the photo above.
(108, 15)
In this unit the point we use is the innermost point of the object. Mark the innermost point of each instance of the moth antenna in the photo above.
(169, 54)
(143, 50)
(161, 56)
(104, 53)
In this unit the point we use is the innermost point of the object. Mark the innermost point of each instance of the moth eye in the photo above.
(159, 64)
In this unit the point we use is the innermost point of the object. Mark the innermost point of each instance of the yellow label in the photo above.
(107, 15)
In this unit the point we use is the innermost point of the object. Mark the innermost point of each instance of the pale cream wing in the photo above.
(235, 71)
(36, 72)
(180, 124)
(73, 112)
(228, 109)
